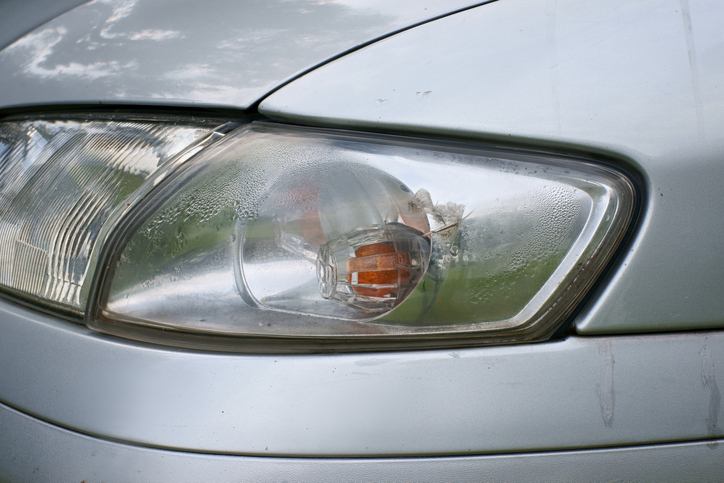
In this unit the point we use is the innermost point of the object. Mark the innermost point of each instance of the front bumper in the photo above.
(33, 450)
(551, 407)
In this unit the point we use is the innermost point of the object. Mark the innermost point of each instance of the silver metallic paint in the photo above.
(41, 452)
(20, 18)
(572, 394)
(219, 53)
(546, 76)
(637, 81)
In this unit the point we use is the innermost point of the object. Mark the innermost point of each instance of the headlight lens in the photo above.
(60, 182)
(298, 239)
(289, 234)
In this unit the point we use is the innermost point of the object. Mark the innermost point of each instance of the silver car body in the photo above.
(630, 394)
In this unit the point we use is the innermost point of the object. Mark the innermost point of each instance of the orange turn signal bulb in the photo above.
(373, 268)
(379, 270)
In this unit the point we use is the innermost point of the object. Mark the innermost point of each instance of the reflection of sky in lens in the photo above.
(472, 187)
(217, 52)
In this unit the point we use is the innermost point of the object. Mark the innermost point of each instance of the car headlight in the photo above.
(274, 237)
(61, 182)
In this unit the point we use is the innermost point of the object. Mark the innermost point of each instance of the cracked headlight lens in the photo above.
(319, 238)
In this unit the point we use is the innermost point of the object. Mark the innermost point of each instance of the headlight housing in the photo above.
(284, 238)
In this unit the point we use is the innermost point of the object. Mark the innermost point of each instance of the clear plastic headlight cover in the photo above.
(283, 232)
(60, 182)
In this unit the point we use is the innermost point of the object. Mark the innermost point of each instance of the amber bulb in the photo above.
(381, 265)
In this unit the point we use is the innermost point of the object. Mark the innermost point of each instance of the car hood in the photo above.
(220, 53)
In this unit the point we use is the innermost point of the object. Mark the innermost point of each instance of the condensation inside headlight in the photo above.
(60, 182)
(283, 232)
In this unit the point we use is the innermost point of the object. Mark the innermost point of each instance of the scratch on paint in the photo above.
(693, 67)
(708, 381)
(606, 396)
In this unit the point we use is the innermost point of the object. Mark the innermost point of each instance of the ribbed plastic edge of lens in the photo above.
(65, 181)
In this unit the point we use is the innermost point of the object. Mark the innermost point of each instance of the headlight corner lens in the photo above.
(292, 234)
